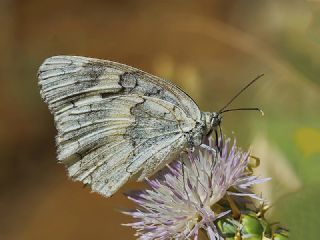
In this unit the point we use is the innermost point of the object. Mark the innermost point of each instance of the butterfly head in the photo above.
(215, 120)
(212, 121)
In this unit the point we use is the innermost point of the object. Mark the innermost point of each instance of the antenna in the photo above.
(232, 99)
(241, 109)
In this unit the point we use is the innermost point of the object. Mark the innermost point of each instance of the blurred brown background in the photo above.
(209, 48)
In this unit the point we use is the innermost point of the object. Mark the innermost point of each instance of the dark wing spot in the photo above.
(154, 91)
(94, 69)
(129, 80)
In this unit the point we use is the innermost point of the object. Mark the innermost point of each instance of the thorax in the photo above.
(201, 129)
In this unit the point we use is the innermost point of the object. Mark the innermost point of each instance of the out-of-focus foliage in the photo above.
(211, 49)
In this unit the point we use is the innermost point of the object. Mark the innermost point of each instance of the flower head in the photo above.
(186, 197)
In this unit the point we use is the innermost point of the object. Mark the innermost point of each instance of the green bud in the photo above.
(281, 234)
(252, 228)
(249, 227)
(227, 227)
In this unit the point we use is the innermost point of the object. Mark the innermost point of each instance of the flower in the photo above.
(184, 198)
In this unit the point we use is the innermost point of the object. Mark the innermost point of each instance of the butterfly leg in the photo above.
(211, 149)
(221, 139)
(183, 174)
(217, 139)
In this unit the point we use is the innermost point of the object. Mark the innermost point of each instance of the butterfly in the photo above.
(116, 122)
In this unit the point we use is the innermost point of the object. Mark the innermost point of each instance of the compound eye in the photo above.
(213, 120)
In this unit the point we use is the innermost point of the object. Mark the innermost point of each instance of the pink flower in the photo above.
(183, 199)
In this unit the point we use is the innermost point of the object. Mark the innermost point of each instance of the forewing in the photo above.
(113, 120)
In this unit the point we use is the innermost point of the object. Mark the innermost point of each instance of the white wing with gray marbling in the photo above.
(114, 121)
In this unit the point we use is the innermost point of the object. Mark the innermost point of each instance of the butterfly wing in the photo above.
(114, 121)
